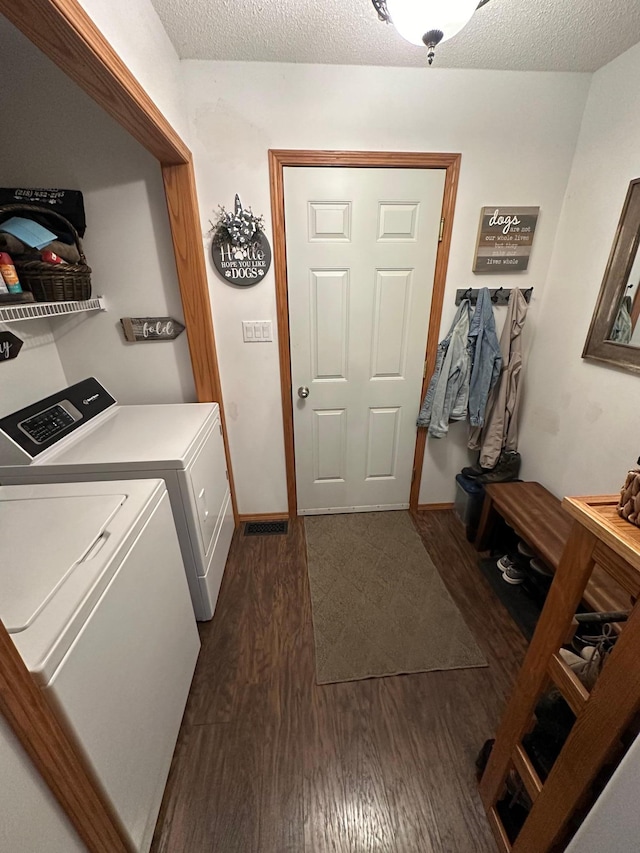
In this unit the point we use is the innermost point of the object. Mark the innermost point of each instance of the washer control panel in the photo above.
(50, 422)
(30, 431)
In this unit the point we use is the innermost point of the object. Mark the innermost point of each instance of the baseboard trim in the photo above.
(433, 507)
(265, 516)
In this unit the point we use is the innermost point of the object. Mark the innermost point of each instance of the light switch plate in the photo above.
(257, 331)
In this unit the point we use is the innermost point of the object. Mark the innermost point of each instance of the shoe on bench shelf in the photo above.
(541, 568)
(514, 575)
(524, 550)
(513, 572)
(504, 563)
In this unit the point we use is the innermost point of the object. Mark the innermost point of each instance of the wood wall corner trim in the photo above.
(437, 301)
(277, 162)
(23, 705)
(182, 207)
(67, 35)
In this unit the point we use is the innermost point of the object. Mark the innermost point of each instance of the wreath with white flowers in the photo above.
(240, 227)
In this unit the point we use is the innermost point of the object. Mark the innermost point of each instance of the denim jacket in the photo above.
(484, 350)
(448, 392)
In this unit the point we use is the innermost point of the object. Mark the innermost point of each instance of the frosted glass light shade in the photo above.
(413, 18)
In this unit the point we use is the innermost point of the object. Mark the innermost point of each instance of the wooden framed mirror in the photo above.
(614, 334)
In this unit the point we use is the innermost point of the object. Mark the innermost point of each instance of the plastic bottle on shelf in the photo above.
(9, 274)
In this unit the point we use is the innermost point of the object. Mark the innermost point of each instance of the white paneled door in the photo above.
(361, 252)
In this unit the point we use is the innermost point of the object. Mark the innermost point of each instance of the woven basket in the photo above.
(51, 282)
(629, 506)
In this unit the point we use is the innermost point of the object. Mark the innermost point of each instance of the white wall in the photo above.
(580, 419)
(36, 372)
(135, 32)
(614, 822)
(127, 243)
(516, 132)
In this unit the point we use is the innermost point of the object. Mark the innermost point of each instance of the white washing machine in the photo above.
(93, 593)
(80, 434)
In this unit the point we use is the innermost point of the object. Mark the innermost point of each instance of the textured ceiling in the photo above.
(527, 35)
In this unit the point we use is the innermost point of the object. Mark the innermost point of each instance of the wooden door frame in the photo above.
(65, 33)
(278, 159)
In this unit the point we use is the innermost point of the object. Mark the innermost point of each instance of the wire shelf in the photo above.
(35, 310)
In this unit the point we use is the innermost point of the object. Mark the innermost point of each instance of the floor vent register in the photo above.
(265, 528)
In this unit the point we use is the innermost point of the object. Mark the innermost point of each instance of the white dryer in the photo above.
(93, 594)
(80, 434)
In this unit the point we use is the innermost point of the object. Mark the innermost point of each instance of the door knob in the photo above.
(303, 392)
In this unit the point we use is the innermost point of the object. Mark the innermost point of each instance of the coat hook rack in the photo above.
(499, 295)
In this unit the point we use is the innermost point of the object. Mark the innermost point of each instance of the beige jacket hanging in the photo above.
(500, 431)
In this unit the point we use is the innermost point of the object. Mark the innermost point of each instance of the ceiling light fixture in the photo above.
(427, 22)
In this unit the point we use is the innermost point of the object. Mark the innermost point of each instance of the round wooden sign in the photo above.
(242, 265)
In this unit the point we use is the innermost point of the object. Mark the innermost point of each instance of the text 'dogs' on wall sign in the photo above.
(10, 346)
(150, 329)
(239, 249)
(505, 238)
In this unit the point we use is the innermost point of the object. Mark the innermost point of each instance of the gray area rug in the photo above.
(379, 605)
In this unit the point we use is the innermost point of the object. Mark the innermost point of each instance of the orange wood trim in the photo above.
(67, 35)
(278, 159)
(618, 568)
(433, 507)
(184, 219)
(499, 833)
(264, 516)
(437, 301)
(561, 604)
(277, 162)
(593, 741)
(573, 690)
(364, 159)
(527, 772)
(27, 712)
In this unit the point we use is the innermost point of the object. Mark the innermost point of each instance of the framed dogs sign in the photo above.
(505, 238)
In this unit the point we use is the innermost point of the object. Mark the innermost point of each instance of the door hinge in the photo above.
(424, 371)
(441, 230)
(413, 475)
(220, 428)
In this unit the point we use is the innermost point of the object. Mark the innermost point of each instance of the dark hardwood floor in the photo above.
(268, 761)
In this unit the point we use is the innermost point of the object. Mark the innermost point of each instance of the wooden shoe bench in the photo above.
(539, 520)
(581, 538)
